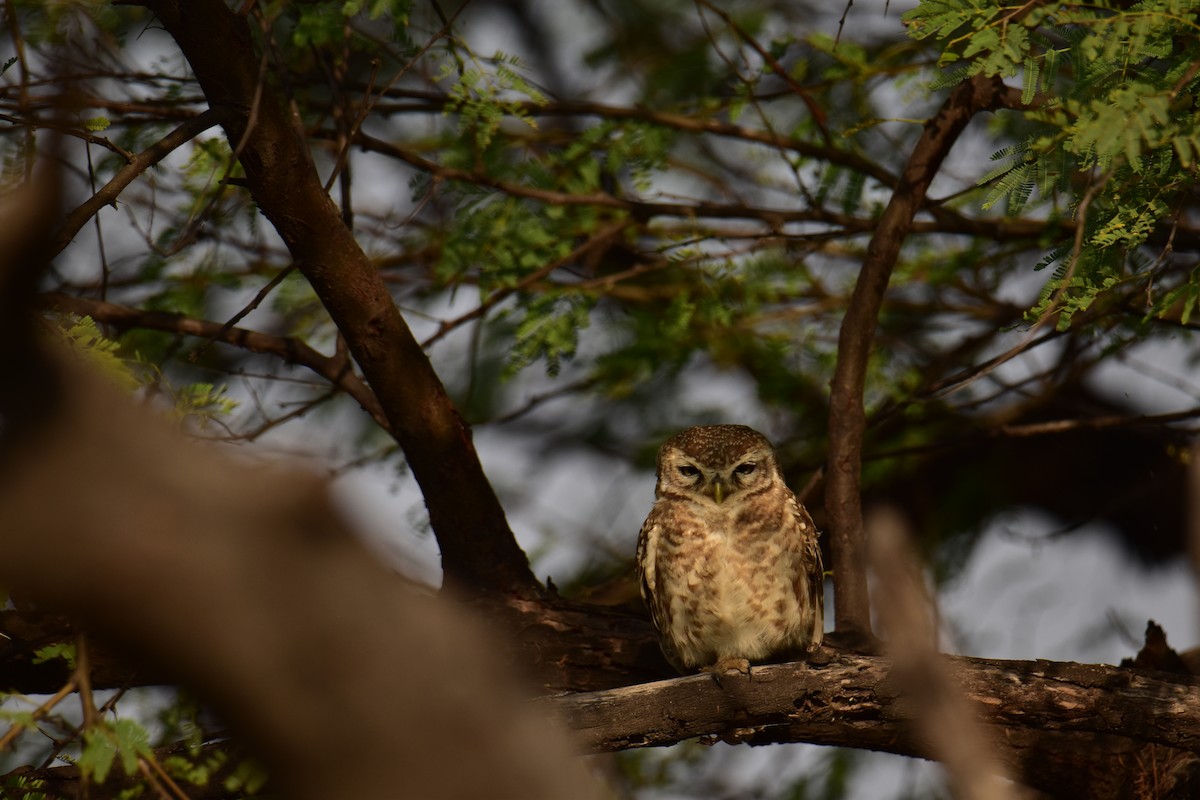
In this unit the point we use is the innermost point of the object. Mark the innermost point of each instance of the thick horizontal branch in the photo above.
(336, 369)
(855, 701)
(859, 693)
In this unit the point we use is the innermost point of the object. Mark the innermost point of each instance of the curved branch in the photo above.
(847, 418)
(335, 369)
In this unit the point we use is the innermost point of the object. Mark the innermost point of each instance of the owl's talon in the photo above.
(728, 666)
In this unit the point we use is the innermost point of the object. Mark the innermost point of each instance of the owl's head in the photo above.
(716, 462)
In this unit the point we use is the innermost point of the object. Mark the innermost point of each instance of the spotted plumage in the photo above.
(728, 560)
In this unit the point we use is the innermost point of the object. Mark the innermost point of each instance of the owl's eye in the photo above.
(746, 469)
(688, 471)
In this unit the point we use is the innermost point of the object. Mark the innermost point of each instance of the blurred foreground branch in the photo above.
(243, 583)
(926, 678)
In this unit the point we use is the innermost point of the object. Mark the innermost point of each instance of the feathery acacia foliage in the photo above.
(1115, 130)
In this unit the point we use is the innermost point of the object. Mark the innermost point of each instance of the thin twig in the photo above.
(138, 164)
(842, 23)
(151, 779)
(963, 378)
(1091, 424)
(68, 130)
(538, 399)
(1076, 249)
(368, 104)
(240, 315)
(818, 113)
(176, 790)
(41, 711)
(337, 370)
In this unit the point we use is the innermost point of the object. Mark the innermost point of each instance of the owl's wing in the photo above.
(647, 572)
(810, 584)
(647, 556)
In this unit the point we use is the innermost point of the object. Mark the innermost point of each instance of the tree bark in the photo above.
(1071, 730)
(479, 551)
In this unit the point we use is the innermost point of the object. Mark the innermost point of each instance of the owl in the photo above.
(728, 560)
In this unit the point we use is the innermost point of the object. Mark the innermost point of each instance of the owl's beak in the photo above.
(717, 489)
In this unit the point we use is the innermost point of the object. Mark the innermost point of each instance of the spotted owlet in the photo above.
(728, 560)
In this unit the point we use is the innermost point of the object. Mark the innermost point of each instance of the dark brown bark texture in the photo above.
(479, 552)
(1070, 730)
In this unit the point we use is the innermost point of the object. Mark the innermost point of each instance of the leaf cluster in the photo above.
(1113, 132)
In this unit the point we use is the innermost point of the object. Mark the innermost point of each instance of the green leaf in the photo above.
(83, 336)
(248, 777)
(63, 650)
(105, 741)
(99, 753)
(549, 331)
(132, 742)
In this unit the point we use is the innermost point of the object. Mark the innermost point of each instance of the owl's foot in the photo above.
(728, 666)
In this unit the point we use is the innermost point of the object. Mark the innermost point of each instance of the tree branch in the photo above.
(479, 551)
(944, 220)
(1037, 708)
(601, 237)
(242, 582)
(847, 418)
(437, 101)
(335, 369)
(138, 164)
